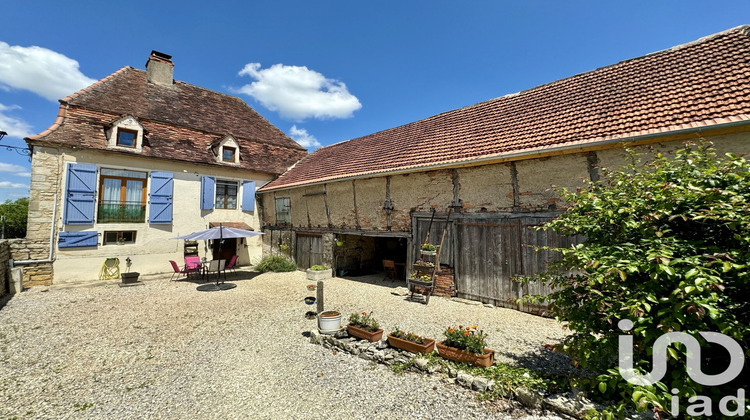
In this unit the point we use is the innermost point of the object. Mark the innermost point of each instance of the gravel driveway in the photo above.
(167, 350)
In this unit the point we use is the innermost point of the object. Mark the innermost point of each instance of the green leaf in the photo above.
(602, 387)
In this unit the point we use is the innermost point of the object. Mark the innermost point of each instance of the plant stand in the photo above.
(431, 268)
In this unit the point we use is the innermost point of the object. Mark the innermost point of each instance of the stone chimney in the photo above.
(160, 68)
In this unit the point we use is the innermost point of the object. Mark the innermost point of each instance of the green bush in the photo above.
(319, 268)
(667, 246)
(276, 264)
(15, 217)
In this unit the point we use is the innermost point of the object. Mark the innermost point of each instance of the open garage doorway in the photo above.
(364, 256)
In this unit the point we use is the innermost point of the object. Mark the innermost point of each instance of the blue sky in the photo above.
(325, 71)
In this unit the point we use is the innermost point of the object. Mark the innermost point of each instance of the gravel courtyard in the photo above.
(168, 350)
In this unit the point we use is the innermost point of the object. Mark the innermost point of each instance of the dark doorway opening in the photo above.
(228, 248)
(360, 255)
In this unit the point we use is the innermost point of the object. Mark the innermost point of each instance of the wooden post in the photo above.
(319, 298)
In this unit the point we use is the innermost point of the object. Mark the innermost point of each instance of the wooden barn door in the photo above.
(491, 252)
(309, 251)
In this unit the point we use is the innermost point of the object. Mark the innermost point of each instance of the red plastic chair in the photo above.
(178, 270)
(231, 263)
(193, 263)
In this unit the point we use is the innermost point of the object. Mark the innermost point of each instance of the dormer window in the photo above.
(226, 150)
(126, 137)
(125, 133)
(228, 154)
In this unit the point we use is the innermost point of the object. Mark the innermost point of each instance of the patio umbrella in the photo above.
(219, 232)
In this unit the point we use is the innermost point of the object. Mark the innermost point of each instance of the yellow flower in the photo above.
(474, 326)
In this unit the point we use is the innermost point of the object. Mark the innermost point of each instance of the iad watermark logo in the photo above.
(700, 405)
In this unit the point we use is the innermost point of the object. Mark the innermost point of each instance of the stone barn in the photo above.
(494, 168)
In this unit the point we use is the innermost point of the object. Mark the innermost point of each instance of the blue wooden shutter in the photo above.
(160, 202)
(80, 194)
(207, 193)
(248, 195)
(76, 239)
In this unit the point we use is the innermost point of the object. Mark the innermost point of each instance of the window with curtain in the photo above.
(226, 194)
(122, 196)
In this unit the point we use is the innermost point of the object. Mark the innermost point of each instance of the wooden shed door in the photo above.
(492, 252)
(309, 251)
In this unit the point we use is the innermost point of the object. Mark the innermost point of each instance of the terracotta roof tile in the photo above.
(702, 83)
(182, 122)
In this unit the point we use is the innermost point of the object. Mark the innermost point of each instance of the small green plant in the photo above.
(428, 247)
(284, 247)
(365, 321)
(82, 407)
(423, 263)
(423, 278)
(276, 264)
(399, 333)
(466, 338)
(319, 268)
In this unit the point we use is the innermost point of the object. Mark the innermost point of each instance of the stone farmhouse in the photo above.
(493, 167)
(136, 159)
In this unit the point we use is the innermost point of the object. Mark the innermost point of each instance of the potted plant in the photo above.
(417, 278)
(466, 345)
(318, 272)
(410, 342)
(428, 249)
(128, 277)
(424, 265)
(364, 326)
(329, 321)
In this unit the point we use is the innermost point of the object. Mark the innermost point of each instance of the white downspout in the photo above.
(51, 241)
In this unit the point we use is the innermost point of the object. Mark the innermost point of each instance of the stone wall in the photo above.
(36, 274)
(4, 267)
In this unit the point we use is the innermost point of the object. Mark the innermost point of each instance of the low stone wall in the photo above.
(573, 404)
(37, 274)
(381, 352)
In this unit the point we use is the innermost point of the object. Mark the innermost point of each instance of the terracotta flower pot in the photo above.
(400, 343)
(364, 334)
(463, 356)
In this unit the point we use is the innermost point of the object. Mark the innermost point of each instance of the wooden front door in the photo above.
(309, 251)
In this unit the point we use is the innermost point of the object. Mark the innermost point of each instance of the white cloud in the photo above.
(298, 92)
(305, 139)
(15, 127)
(9, 167)
(7, 184)
(39, 70)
